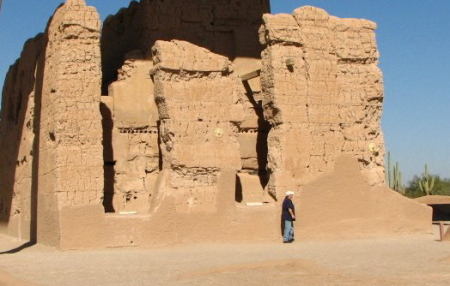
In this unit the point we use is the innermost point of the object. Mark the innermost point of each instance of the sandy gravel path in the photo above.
(407, 260)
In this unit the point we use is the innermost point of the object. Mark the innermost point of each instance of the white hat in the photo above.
(289, 193)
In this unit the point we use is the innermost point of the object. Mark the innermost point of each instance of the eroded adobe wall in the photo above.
(70, 140)
(17, 180)
(134, 141)
(225, 27)
(200, 107)
(323, 95)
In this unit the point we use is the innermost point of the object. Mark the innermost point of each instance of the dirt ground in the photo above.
(401, 260)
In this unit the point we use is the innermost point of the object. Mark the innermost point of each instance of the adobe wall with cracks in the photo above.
(225, 27)
(199, 108)
(20, 91)
(186, 141)
(322, 94)
(134, 153)
(70, 166)
(53, 92)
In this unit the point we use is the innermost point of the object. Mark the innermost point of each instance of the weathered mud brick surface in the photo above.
(20, 90)
(228, 28)
(186, 121)
(323, 93)
(58, 111)
(199, 107)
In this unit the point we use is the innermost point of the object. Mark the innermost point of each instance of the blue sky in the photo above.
(413, 39)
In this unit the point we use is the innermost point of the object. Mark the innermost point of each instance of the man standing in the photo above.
(288, 218)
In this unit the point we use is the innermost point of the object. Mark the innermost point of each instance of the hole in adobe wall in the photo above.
(128, 197)
(52, 136)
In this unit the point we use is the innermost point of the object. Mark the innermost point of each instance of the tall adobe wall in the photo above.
(225, 27)
(322, 94)
(199, 107)
(70, 140)
(184, 138)
(51, 101)
(21, 90)
(132, 156)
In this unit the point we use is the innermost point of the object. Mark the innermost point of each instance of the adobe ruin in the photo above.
(183, 121)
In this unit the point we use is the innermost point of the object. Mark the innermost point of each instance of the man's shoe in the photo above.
(289, 241)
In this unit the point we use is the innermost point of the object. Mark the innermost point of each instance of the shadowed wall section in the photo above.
(51, 128)
(17, 153)
(225, 27)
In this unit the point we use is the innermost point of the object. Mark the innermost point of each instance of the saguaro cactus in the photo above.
(395, 176)
(427, 183)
